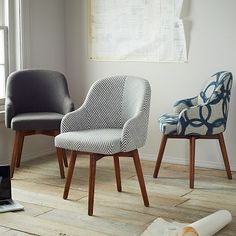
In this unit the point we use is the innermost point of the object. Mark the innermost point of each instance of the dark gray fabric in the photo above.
(36, 121)
(32, 91)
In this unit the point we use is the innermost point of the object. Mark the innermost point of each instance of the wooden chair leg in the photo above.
(160, 155)
(69, 174)
(92, 174)
(60, 156)
(225, 155)
(139, 172)
(117, 172)
(17, 150)
(20, 146)
(64, 156)
(192, 161)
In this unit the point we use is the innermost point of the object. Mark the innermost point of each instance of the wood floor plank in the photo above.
(133, 201)
(33, 209)
(46, 200)
(16, 233)
(210, 205)
(3, 230)
(35, 225)
(95, 223)
(154, 187)
(214, 195)
(51, 190)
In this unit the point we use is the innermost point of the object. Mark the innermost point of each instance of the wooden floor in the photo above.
(38, 187)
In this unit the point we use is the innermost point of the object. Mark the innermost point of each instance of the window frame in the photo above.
(15, 20)
(6, 60)
(4, 27)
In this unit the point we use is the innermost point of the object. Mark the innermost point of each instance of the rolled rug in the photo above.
(208, 225)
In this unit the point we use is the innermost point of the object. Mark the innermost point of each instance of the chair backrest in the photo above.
(37, 91)
(112, 101)
(219, 85)
(216, 97)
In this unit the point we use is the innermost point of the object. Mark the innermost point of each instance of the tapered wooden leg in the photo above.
(60, 153)
(64, 156)
(117, 172)
(225, 155)
(20, 147)
(192, 161)
(160, 155)
(92, 174)
(69, 174)
(17, 150)
(139, 172)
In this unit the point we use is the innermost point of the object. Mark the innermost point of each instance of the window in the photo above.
(4, 59)
(11, 16)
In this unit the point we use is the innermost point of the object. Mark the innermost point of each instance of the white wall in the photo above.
(211, 35)
(47, 34)
(46, 50)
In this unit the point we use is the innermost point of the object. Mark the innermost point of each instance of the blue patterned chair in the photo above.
(112, 121)
(200, 117)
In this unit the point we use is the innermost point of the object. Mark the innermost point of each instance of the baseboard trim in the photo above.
(32, 155)
(143, 156)
(183, 161)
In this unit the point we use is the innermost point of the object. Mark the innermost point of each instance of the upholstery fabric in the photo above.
(37, 121)
(205, 114)
(119, 103)
(168, 123)
(185, 103)
(92, 140)
(36, 91)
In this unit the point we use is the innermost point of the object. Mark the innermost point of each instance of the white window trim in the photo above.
(19, 34)
(6, 60)
(18, 39)
(24, 21)
(4, 27)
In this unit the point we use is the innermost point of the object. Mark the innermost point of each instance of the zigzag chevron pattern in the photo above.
(113, 118)
(205, 114)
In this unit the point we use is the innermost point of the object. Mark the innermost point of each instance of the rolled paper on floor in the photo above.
(207, 226)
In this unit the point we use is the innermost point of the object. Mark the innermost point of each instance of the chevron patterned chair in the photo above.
(113, 121)
(200, 117)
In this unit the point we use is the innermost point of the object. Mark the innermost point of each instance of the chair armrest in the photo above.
(134, 132)
(9, 112)
(207, 119)
(75, 120)
(68, 105)
(185, 103)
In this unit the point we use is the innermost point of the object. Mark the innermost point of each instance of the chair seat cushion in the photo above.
(37, 121)
(168, 123)
(102, 141)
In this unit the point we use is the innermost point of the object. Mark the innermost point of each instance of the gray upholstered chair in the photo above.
(36, 101)
(201, 117)
(113, 121)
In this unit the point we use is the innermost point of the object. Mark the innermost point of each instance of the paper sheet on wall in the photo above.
(140, 30)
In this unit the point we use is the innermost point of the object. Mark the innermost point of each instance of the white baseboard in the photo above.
(32, 155)
(183, 161)
(143, 156)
